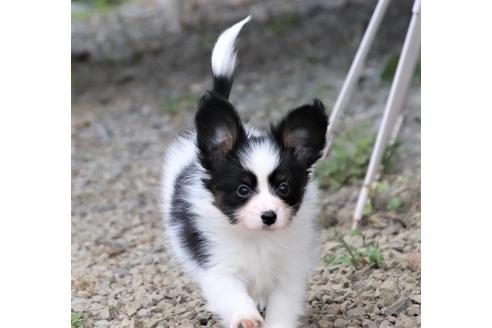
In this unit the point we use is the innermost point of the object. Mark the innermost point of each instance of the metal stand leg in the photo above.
(355, 69)
(399, 88)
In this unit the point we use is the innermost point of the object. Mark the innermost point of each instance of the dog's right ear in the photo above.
(218, 128)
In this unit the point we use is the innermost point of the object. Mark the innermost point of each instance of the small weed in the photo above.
(387, 162)
(349, 157)
(368, 208)
(172, 106)
(389, 69)
(374, 256)
(386, 198)
(394, 203)
(332, 233)
(282, 23)
(369, 253)
(77, 321)
(380, 186)
(352, 256)
(113, 310)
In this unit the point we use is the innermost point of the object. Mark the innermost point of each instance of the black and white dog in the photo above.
(240, 205)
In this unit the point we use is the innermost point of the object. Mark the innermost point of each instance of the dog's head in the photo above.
(258, 181)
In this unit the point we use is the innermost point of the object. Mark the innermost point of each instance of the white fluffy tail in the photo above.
(224, 57)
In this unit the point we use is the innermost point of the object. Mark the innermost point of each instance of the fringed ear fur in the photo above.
(303, 131)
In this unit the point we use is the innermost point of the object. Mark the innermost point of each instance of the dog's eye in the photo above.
(283, 189)
(243, 191)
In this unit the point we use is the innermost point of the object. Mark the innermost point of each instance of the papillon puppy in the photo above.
(240, 206)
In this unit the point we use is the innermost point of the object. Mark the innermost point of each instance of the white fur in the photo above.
(247, 267)
(224, 57)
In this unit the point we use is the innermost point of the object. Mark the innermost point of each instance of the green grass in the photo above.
(207, 40)
(101, 4)
(77, 320)
(356, 257)
(374, 256)
(394, 203)
(184, 101)
(281, 24)
(390, 66)
(348, 158)
(387, 161)
(384, 198)
(96, 6)
(368, 207)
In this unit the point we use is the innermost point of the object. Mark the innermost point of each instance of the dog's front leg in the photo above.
(227, 296)
(286, 304)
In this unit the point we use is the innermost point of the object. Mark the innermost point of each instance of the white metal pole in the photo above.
(399, 88)
(355, 69)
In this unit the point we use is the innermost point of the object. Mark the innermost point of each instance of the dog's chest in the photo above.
(259, 263)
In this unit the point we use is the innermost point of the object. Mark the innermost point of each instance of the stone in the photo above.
(79, 304)
(340, 323)
(366, 323)
(154, 323)
(385, 324)
(114, 248)
(131, 310)
(323, 323)
(397, 307)
(104, 314)
(120, 273)
(388, 292)
(144, 313)
(148, 259)
(415, 298)
(332, 309)
(406, 322)
(413, 310)
(101, 324)
(414, 261)
(356, 312)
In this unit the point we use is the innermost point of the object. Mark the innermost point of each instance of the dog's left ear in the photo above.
(303, 131)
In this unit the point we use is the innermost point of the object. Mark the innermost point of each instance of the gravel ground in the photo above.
(123, 116)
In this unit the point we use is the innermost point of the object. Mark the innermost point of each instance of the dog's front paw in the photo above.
(251, 321)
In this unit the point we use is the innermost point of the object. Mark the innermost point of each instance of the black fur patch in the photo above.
(183, 218)
(292, 173)
(219, 130)
(223, 184)
(222, 85)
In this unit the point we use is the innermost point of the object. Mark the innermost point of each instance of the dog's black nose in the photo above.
(268, 217)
